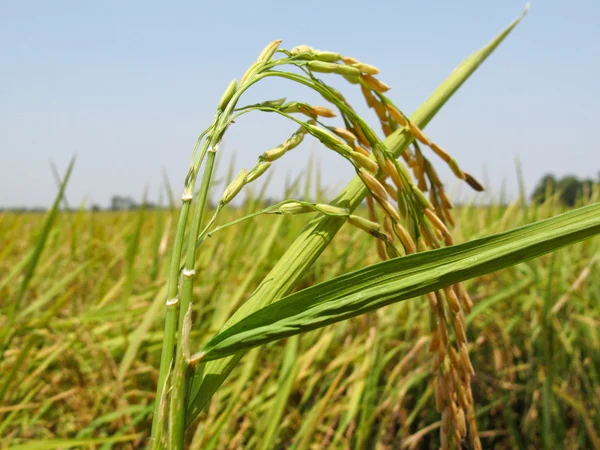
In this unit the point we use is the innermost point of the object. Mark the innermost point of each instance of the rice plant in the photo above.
(277, 335)
(412, 222)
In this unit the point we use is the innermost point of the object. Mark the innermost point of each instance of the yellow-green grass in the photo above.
(83, 360)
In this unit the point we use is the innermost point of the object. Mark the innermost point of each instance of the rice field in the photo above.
(83, 361)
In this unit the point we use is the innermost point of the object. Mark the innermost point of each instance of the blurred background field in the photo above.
(85, 344)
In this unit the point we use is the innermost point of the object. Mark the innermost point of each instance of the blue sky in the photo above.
(128, 86)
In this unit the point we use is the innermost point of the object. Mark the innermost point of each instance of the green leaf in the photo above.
(399, 279)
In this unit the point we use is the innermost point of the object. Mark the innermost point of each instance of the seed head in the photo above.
(327, 56)
(323, 111)
(366, 68)
(444, 445)
(295, 208)
(278, 103)
(396, 115)
(303, 52)
(428, 235)
(436, 222)
(465, 361)
(379, 153)
(402, 208)
(440, 152)
(274, 153)
(370, 99)
(331, 210)
(443, 331)
(455, 362)
(331, 67)
(423, 201)
(462, 399)
(419, 171)
(387, 130)
(363, 224)
(440, 399)
(391, 190)
(380, 111)
(473, 182)
(251, 71)
(418, 134)
(445, 200)
(350, 60)
(459, 327)
(433, 176)
(301, 49)
(257, 171)
(390, 170)
(307, 110)
(387, 226)
(337, 94)
(435, 363)
(352, 79)
(389, 208)
(402, 168)
(375, 84)
(359, 149)
(365, 162)
(464, 297)
(447, 215)
(321, 66)
(460, 422)
(344, 134)
(227, 95)
(432, 303)
(294, 141)
(291, 107)
(457, 171)
(391, 250)
(410, 247)
(470, 399)
(361, 136)
(328, 139)
(347, 71)
(435, 342)
(446, 376)
(380, 245)
(373, 184)
(234, 187)
(269, 51)
(446, 420)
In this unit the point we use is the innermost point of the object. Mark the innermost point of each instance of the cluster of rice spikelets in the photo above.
(411, 220)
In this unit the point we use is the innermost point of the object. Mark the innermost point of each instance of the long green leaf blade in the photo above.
(399, 279)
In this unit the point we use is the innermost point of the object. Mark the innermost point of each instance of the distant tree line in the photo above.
(569, 189)
(122, 203)
(117, 203)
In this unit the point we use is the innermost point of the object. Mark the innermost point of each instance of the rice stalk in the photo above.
(416, 221)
